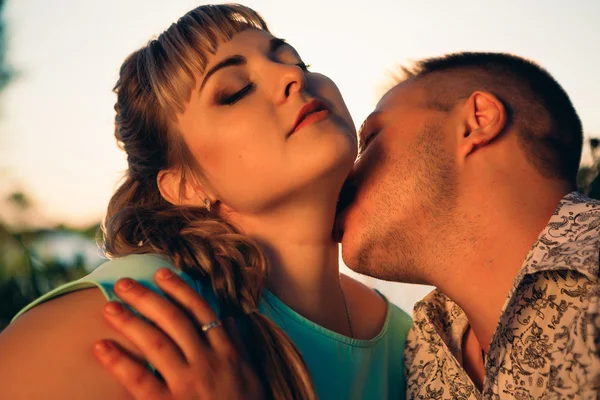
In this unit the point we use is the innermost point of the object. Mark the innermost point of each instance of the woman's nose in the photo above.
(292, 80)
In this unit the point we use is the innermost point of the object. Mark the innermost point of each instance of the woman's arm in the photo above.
(192, 352)
(47, 352)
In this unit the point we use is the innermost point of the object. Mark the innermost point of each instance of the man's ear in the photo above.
(484, 118)
(177, 189)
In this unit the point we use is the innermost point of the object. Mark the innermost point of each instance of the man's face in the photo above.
(402, 187)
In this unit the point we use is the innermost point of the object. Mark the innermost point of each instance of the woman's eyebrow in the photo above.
(228, 62)
(276, 43)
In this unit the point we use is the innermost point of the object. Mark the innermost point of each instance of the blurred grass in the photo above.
(35, 261)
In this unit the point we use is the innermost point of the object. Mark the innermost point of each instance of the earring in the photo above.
(207, 204)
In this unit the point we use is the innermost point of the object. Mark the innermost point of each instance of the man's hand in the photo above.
(195, 356)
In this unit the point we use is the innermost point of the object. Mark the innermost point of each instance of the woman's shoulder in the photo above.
(133, 265)
(52, 337)
(140, 267)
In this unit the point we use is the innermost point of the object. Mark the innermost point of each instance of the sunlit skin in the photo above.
(435, 194)
(279, 188)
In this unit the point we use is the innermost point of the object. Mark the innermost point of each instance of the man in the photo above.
(465, 181)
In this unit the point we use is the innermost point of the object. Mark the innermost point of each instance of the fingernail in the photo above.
(113, 308)
(103, 347)
(124, 284)
(165, 273)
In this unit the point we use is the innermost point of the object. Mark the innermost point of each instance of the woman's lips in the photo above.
(312, 118)
(314, 111)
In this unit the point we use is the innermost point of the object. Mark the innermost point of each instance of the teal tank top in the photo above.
(341, 367)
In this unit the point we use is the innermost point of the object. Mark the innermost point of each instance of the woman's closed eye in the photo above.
(227, 99)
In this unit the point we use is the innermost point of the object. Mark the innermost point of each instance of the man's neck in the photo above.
(497, 234)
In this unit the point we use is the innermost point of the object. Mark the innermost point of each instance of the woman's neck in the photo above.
(304, 262)
(303, 275)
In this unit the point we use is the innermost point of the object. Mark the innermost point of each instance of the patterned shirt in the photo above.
(547, 342)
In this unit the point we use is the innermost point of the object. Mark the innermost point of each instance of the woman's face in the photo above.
(247, 126)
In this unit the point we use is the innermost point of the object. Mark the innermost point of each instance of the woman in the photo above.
(236, 156)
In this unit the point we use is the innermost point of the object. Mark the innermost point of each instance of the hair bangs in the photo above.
(179, 55)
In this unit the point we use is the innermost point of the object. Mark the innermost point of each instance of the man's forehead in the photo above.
(407, 92)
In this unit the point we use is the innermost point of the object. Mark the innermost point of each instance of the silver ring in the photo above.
(210, 325)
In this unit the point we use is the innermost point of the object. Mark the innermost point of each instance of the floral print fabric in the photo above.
(547, 342)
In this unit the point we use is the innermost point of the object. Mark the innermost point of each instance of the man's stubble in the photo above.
(420, 187)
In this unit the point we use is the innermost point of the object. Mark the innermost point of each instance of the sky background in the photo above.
(56, 117)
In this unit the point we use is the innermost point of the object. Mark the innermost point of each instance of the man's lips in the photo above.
(312, 112)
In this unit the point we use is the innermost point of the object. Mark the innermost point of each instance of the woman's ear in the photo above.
(484, 119)
(175, 188)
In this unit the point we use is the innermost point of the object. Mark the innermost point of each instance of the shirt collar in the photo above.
(437, 312)
(570, 240)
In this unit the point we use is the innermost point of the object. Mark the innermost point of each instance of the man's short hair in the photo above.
(546, 122)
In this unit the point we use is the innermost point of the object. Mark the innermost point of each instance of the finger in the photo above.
(165, 314)
(157, 348)
(197, 307)
(138, 380)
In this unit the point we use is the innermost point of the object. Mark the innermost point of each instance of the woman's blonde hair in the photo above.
(153, 86)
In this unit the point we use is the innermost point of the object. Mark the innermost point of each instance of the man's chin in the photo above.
(359, 256)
